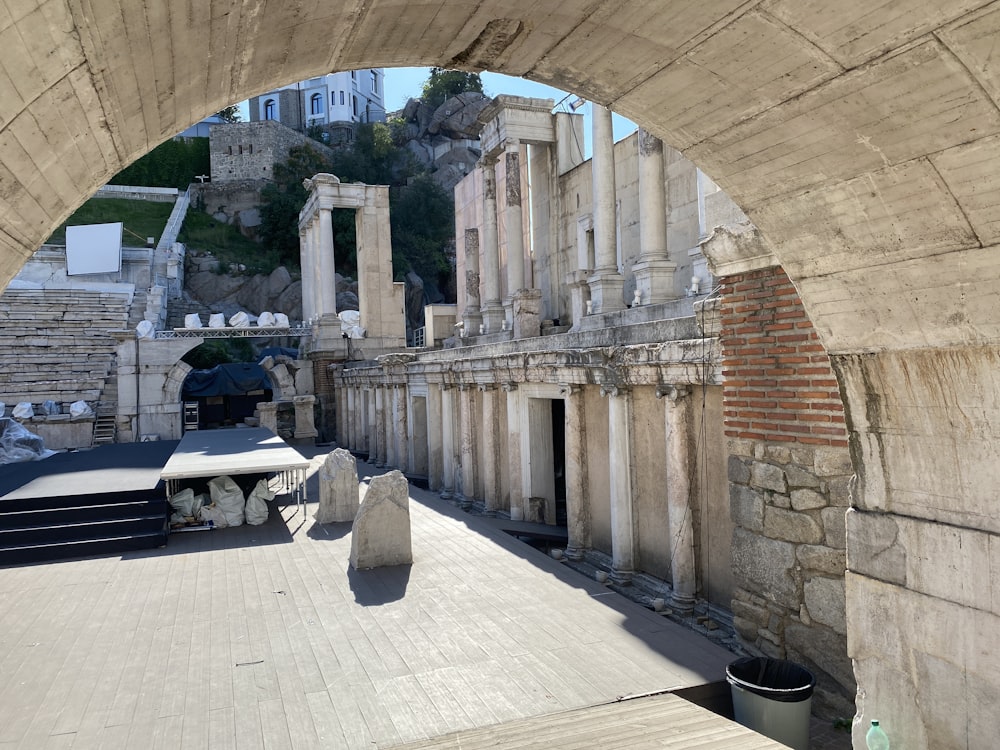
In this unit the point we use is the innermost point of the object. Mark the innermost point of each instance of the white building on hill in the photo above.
(348, 96)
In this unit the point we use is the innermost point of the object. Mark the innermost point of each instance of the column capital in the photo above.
(446, 386)
(509, 386)
(614, 389)
(484, 387)
(465, 386)
(568, 389)
(672, 392)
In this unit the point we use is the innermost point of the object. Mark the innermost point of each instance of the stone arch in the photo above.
(864, 144)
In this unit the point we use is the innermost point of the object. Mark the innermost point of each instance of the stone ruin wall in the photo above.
(789, 470)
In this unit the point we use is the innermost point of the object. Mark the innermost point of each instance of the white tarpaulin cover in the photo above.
(18, 444)
(192, 320)
(228, 497)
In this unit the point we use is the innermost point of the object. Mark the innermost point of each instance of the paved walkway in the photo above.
(265, 637)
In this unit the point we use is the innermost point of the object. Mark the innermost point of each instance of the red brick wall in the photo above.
(777, 381)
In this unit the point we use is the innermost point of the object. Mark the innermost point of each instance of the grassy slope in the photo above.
(142, 219)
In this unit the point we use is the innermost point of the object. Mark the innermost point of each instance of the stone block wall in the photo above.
(249, 150)
(789, 471)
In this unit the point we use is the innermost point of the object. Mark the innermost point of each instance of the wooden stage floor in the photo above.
(264, 637)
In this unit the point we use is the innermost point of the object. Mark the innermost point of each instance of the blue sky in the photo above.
(403, 83)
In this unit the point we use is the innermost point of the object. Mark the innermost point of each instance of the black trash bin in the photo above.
(773, 697)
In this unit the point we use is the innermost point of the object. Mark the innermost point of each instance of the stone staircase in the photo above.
(57, 344)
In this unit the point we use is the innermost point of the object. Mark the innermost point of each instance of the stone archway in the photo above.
(864, 144)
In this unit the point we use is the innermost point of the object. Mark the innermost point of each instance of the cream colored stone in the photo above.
(339, 494)
(380, 536)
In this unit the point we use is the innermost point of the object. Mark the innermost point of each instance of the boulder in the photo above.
(381, 533)
(338, 488)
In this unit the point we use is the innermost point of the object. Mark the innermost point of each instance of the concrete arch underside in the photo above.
(862, 139)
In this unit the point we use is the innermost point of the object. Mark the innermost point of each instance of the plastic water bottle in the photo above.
(876, 739)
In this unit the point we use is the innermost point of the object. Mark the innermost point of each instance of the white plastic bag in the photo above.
(183, 502)
(228, 497)
(257, 510)
(217, 320)
(50, 408)
(213, 513)
(192, 320)
(239, 320)
(265, 320)
(281, 321)
(145, 330)
(23, 411)
(80, 409)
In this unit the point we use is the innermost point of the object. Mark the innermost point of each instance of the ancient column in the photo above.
(352, 425)
(493, 313)
(514, 218)
(305, 426)
(435, 469)
(683, 568)
(399, 425)
(515, 471)
(606, 284)
(488, 431)
(447, 442)
(315, 279)
(379, 448)
(620, 475)
(370, 440)
(654, 273)
(268, 411)
(467, 443)
(577, 495)
(391, 416)
(305, 260)
(327, 270)
(472, 316)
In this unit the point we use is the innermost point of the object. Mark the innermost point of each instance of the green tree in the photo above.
(173, 163)
(443, 84)
(423, 224)
(282, 200)
(229, 114)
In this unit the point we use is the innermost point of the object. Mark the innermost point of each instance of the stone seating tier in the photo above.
(57, 344)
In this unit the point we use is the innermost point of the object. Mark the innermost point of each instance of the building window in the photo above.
(270, 110)
(341, 98)
(316, 104)
(354, 75)
(374, 82)
(354, 104)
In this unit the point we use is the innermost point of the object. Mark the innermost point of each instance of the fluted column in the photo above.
(620, 474)
(379, 448)
(327, 269)
(305, 262)
(400, 426)
(315, 279)
(515, 471)
(447, 442)
(607, 283)
(352, 424)
(493, 314)
(578, 524)
(467, 443)
(514, 219)
(370, 435)
(490, 440)
(435, 469)
(654, 273)
(683, 568)
(472, 315)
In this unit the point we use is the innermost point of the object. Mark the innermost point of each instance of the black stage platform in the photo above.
(105, 500)
(117, 469)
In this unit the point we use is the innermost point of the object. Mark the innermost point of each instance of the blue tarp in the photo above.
(226, 380)
(278, 351)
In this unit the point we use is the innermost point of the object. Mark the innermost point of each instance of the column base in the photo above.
(574, 553)
(654, 281)
(494, 317)
(606, 289)
(526, 309)
(472, 321)
(682, 604)
(621, 577)
(446, 494)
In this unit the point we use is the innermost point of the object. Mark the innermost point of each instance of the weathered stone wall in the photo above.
(249, 150)
(789, 470)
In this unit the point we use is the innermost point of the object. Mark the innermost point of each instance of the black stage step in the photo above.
(107, 500)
